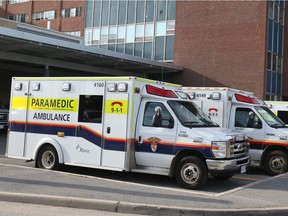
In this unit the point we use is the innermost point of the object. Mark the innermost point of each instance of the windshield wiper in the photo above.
(278, 126)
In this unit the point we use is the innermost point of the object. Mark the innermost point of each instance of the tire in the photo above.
(276, 162)
(47, 158)
(191, 172)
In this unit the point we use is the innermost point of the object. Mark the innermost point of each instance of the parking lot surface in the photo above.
(247, 194)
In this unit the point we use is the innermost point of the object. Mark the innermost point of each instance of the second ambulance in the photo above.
(243, 112)
(120, 123)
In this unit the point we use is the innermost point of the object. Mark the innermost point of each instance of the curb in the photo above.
(133, 208)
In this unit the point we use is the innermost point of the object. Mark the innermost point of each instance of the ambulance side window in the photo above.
(90, 108)
(157, 115)
(246, 118)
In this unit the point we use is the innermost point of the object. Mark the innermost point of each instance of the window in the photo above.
(122, 12)
(16, 1)
(131, 11)
(171, 10)
(157, 115)
(113, 13)
(74, 33)
(90, 108)
(161, 10)
(71, 12)
(46, 15)
(89, 7)
(140, 11)
(105, 13)
(18, 17)
(246, 118)
(149, 15)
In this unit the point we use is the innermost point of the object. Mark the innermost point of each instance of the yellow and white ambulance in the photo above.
(280, 108)
(243, 112)
(120, 123)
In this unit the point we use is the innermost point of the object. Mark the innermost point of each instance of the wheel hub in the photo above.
(190, 173)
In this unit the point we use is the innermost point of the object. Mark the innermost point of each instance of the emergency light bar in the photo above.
(246, 99)
(160, 92)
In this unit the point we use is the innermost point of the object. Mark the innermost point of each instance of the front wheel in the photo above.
(276, 162)
(47, 158)
(191, 172)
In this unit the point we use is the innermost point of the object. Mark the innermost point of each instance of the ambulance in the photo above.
(280, 108)
(243, 112)
(120, 123)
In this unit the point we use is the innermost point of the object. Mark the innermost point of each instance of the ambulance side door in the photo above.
(17, 118)
(115, 130)
(89, 128)
(246, 120)
(156, 135)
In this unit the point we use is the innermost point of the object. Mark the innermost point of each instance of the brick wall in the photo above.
(221, 43)
(58, 24)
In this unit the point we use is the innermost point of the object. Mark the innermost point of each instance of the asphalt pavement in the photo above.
(25, 184)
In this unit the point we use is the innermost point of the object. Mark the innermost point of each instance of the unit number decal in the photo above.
(99, 85)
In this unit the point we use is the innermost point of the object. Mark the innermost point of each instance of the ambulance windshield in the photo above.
(271, 119)
(190, 115)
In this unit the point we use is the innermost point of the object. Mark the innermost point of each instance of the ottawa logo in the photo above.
(154, 141)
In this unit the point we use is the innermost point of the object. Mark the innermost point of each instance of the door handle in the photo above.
(108, 130)
(140, 139)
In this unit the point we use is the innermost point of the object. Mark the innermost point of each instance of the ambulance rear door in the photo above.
(17, 118)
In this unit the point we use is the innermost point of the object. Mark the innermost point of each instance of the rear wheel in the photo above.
(47, 158)
(191, 172)
(276, 162)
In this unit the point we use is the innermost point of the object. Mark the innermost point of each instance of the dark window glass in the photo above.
(122, 12)
(169, 48)
(138, 49)
(157, 115)
(275, 37)
(271, 10)
(120, 48)
(268, 81)
(274, 62)
(131, 11)
(112, 47)
(246, 118)
(279, 86)
(171, 9)
(274, 78)
(269, 64)
(113, 12)
(105, 13)
(149, 16)
(140, 11)
(147, 50)
(159, 50)
(96, 14)
(270, 34)
(161, 10)
(90, 108)
(280, 41)
(89, 7)
(129, 48)
(283, 115)
(103, 46)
